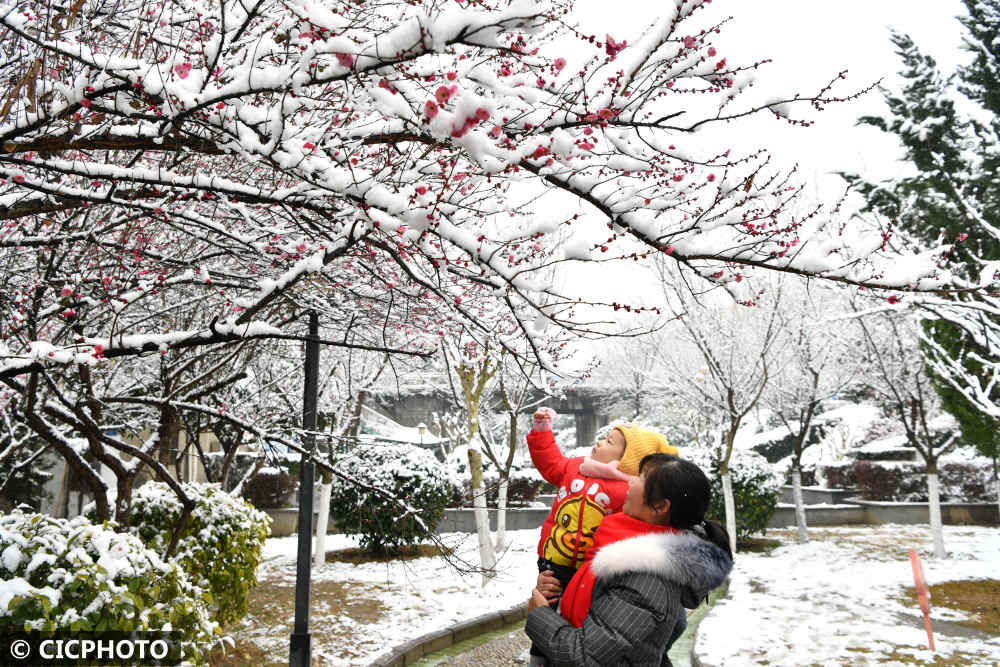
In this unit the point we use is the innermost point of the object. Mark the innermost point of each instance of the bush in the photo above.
(523, 487)
(270, 488)
(907, 482)
(840, 476)
(71, 575)
(756, 489)
(406, 472)
(220, 547)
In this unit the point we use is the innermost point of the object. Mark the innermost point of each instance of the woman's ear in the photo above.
(662, 510)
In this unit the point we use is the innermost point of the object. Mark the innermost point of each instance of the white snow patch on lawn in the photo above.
(835, 600)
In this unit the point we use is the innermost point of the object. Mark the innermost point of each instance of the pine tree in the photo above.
(954, 190)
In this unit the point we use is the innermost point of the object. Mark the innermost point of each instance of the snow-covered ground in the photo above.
(390, 603)
(833, 601)
(837, 600)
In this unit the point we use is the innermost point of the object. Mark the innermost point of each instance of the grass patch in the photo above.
(262, 637)
(958, 659)
(357, 555)
(980, 598)
(758, 545)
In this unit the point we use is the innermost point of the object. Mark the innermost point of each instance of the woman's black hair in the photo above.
(685, 485)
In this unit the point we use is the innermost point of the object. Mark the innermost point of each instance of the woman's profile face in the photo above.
(635, 499)
(635, 502)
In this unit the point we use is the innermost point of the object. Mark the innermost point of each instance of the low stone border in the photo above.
(693, 655)
(415, 649)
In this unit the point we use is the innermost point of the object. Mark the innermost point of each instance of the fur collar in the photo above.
(683, 558)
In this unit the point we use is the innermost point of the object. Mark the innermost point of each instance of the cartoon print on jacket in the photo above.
(570, 537)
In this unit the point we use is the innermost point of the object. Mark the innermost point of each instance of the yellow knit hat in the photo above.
(639, 443)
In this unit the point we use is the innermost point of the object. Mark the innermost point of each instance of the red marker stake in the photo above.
(923, 594)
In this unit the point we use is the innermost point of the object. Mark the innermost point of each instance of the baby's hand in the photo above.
(542, 419)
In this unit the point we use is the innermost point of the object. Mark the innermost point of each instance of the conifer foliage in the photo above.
(953, 195)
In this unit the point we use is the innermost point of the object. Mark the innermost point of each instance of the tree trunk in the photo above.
(934, 509)
(996, 481)
(800, 508)
(727, 493)
(487, 557)
(501, 539)
(323, 520)
(729, 438)
(61, 508)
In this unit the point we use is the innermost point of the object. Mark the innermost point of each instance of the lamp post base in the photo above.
(301, 653)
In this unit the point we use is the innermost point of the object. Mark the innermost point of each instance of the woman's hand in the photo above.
(548, 585)
(537, 600)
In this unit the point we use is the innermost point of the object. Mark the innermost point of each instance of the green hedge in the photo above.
(72, 575)
(404, 472)
(220, 547)
(756, 489)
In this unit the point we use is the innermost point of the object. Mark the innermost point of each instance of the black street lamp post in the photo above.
(301, 643)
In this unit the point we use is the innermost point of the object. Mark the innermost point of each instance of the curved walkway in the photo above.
(497, 640)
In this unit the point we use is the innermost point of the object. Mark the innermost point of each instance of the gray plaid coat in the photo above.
(642, 586)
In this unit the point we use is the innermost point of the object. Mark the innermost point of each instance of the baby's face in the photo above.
(610, 448)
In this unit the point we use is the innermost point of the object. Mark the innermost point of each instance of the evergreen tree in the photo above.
(952, 194)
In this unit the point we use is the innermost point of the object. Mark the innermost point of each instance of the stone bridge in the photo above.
(589, 407)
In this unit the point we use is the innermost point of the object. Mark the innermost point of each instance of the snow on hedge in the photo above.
(70, 574)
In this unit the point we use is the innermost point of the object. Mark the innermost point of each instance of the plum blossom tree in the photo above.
(177, 175)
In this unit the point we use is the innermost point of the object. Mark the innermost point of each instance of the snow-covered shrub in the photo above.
(524, 483)
(407, 473)
(756, 488)
(220, 547)
(959, 481)
(269, 488)
(72, 575)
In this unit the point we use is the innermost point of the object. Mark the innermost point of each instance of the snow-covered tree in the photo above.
(952, 191)
(899, 375)
(474, 366)
(721, 360)
(820, 361)
(182, 174)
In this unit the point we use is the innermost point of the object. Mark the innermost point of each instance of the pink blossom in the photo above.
(711, 52)
(894, 299)
(421, 189)
(719, 65)
(613, 48)
(309, 145)
(442, 94)
(711, 177)
(66, 291)
(18, 178)
(85, 103)
(505, 71)
(962, 237)
(431, 108)
(559, 64)
(183, 70)
(452, 76)
(482, 114)
(605, 114)
(69, 313)
(345, 59)
(689, 42)
(301, 247)
(98, 350)
(540, 152)
(495, 132)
